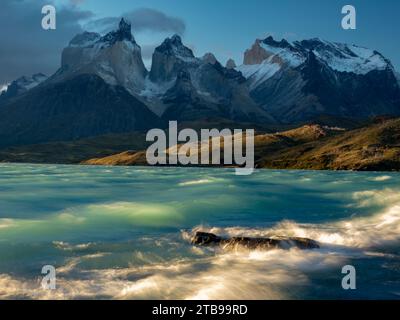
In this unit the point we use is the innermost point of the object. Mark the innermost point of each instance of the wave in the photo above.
(357, 232)
(255, 275)
(215, 274)
(200, 181)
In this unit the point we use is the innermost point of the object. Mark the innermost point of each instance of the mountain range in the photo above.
(103, 87)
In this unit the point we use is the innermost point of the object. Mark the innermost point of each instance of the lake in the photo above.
(124, 232)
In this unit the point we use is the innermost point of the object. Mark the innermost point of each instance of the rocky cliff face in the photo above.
(279, 82)
(21, 85)
(80, 107)
(170, 58)
(192, 88)
(301, 80)
(115, 57)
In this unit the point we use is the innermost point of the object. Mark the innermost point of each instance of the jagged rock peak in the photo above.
(125, 27)
(277, 44)
(230, 64)
(124, 32)
(210, 58)
(174, 46)
(176, 39)
(255, 55)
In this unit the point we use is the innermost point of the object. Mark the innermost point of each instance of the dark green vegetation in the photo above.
(74, 152)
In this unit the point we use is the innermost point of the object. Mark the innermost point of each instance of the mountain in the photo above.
(230, 64)
(115, 57)
(21, 85)
(183, 87)
(82, 106)
(299, 81)
(103, 87)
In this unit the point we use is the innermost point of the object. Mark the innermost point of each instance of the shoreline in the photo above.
(195, 167)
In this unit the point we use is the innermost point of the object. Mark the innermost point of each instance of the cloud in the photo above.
(76, 2)
(148, 50)
(25, 47)
(143, 19)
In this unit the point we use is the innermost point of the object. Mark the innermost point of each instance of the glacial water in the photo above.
(123, 233)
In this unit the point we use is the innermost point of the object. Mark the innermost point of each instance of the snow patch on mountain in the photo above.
(85, 39)
(350, 58)
(291, 57)
(155, 90)
(259, 73)
(3, 87)
(268, 56)
(26, 83)
(115, 57)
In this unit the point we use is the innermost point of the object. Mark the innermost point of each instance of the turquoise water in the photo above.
(123, 232)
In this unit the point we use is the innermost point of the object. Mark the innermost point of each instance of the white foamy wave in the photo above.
(255, 275)
(69, 247)
(362, 232)
(382, 178)
(214, 274)
(200, 181)
(6, 223)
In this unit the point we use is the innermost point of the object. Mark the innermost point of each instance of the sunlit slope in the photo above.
(373, 147)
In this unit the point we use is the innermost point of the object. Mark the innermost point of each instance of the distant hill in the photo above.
(373, 147)
(73, 152)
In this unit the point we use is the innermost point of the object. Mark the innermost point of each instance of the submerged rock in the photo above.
(209, 239)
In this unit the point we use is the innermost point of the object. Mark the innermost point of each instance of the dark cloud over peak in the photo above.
(143, 19)
(25, 47)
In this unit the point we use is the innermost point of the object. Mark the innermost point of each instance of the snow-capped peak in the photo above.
(115, 57)
(345, 58)
(283, 52)
(96, 41)
(174, 47)
(268, 56)
(124, 32)
(85, 39)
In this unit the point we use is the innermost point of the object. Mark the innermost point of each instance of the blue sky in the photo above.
(228, 27)
(224, 27)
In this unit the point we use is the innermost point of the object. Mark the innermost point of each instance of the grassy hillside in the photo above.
(376, 146)
(373, 147)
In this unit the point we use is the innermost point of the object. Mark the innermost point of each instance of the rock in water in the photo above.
(209, 239)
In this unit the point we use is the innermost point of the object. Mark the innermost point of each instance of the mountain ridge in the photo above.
(279, 83)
